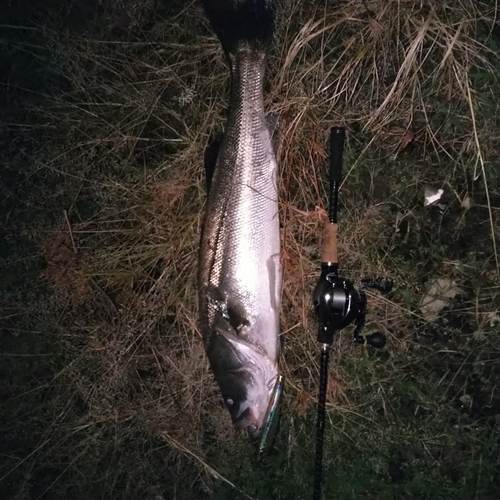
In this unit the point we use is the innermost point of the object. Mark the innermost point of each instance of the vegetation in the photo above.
(108, 108)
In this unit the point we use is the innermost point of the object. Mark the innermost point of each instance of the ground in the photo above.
(107, 110)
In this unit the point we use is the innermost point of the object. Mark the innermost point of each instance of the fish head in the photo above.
(246, 377)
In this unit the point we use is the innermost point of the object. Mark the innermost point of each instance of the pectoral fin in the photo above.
(232, 312)
(274, 272)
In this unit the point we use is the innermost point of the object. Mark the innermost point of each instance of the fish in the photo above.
(239, 266)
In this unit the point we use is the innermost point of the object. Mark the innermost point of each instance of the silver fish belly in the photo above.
(240, 271)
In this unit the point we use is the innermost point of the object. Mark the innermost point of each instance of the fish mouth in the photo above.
(249, 421)
(255, 425)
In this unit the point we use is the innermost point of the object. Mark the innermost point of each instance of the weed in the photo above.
(108, 108)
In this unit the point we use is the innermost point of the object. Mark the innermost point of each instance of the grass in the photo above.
(107, 112)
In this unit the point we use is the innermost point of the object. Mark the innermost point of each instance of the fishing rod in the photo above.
(337, 302)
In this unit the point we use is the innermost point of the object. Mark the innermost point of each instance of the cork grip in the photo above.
(330, 252)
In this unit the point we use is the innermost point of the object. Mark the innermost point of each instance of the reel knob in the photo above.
(376, 339)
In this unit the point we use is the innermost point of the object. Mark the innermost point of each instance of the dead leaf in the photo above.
(440, 294)
(168, 193)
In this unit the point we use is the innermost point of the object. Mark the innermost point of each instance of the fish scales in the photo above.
(239, 262)
(241, 238)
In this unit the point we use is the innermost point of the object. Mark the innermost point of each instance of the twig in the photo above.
(70, 231)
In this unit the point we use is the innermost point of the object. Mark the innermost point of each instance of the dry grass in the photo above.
(121, 152)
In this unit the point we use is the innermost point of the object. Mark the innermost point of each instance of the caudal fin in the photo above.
(236, 21)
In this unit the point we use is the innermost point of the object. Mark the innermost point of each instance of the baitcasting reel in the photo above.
(338, 304)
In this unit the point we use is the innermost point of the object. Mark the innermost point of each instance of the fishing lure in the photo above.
(272, 416)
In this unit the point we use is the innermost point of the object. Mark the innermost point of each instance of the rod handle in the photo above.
(337, 139)
(330, 250)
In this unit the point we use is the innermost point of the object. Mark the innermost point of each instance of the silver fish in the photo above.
(240, 271)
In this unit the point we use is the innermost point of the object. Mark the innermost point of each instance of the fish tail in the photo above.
(242, 21)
